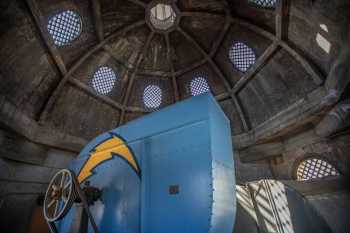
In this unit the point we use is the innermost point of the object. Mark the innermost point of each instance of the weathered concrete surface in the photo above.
(25, 171)
(334, 208)
(22, 124)
(337, 119)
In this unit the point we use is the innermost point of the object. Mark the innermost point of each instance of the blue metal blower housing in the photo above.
(171, 171)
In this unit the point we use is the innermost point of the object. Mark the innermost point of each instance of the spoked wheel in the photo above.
(59, 196)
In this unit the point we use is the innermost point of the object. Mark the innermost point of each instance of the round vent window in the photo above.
(315, 168)
(162, 16)
(103, 80)
(264, 3)
(242, 56)
(198, 86)
(152, 96)
(64, 27)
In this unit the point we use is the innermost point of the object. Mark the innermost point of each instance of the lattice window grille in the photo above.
(315, 168)
(264, 3)
(162, 16)
(242, 56)
(64, 27)
(199, 85)
(103, 80)
(152, 96)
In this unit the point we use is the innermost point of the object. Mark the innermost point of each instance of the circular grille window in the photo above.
(103, 80)
(162, 16)
(64, 27)
(198, 86)
(264, 3)
(241, 56)
(313, 168)
(152, 96)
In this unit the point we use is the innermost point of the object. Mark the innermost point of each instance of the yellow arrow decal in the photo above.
(105, 151)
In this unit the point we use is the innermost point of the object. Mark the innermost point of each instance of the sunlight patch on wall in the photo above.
(266, 202)
(324, 27)
(322, 42)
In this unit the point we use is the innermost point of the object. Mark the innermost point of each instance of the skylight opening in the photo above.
(103, 80)
(162, 16)
(264, 3)
(65, 27)
(315, 168)
(152, 96)
(242, 56)
(199, 85)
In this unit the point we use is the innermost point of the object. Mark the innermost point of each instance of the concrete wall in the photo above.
(334, 208)
(329, 199)
(248, 172)
(311, 206)
(334, 150)
(25, 171)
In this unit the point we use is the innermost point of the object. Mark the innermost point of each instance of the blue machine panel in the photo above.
(170, 171)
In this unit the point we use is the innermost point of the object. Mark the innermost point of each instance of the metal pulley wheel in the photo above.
(59, 196)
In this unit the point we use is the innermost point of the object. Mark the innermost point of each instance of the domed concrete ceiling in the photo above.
(71, 70)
